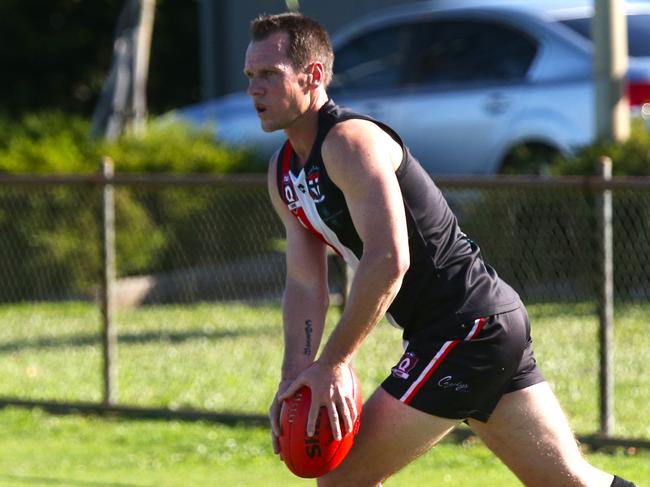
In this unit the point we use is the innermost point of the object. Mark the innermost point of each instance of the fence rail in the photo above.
(586, 183)
(554, 242)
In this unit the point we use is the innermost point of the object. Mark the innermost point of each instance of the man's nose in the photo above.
(254, 87)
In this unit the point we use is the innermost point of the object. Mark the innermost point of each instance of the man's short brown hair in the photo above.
(308, 40)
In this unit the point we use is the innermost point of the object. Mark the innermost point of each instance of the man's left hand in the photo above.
(331, 386)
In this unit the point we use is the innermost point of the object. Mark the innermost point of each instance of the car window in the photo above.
(469, 52)
(638, 33)
(373, 60)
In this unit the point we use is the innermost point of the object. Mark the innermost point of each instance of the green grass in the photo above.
(226, 358)
(43, 450)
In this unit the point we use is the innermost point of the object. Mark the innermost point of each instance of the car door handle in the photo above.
(497, 103)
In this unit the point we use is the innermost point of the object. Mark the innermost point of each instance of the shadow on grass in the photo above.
(127, 339)
(31, 480)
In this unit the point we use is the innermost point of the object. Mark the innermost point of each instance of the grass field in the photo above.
(227, 358)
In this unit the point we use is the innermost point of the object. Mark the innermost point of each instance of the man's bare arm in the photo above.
(361, 160)
(305, 299)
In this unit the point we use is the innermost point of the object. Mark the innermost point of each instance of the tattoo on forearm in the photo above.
(308, 331)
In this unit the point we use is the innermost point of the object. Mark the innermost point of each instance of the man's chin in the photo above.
(269, 128)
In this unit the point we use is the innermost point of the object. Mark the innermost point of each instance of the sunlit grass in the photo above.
(227, 358)
(67, 451)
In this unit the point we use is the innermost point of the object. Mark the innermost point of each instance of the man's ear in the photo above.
(316, 74)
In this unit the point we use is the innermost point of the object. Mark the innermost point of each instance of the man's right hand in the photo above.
(274, 414)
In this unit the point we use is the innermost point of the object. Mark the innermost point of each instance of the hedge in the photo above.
(50, 246)
(548, 238)
(629, 158)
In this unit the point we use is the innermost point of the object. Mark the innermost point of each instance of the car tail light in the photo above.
(638, 93)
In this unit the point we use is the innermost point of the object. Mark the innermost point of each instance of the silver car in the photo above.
(466, 83)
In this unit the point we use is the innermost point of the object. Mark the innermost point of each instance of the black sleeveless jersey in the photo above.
(447, 281)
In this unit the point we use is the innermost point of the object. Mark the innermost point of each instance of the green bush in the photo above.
(629, 158)
(631, 220)
(51, 234)
(56, 143)
(548, 245)
(47, 143)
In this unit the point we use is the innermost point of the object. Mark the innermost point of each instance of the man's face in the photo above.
(279, 93)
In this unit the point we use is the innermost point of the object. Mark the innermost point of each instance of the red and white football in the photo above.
(314, 456)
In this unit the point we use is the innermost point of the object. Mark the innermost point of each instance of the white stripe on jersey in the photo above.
(309, 207)
(317, 222)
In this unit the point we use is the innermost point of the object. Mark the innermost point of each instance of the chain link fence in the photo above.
(200, 270)
(544, 236)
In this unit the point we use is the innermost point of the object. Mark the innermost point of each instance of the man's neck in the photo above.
(302, 132)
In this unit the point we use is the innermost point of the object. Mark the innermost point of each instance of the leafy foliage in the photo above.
(629, 158)
(561, 226)
(51, 234)
(53, 142)
(47, 143)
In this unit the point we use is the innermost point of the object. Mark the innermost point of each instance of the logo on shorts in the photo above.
(405, 365)
(449, 383)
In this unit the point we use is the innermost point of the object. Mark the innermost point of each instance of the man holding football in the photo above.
(347, 181)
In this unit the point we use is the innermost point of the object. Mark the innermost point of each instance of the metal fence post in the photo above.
(606, 303)
(109, 335)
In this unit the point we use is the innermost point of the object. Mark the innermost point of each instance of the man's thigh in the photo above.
(391, 435)
(529, 432)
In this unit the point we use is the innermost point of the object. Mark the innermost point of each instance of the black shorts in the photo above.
(460, 371)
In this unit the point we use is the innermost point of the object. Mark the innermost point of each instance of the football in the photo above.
(314, 456)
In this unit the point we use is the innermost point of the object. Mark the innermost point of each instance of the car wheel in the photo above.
(532, 158)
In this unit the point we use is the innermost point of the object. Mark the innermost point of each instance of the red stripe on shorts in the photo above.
(431, 367)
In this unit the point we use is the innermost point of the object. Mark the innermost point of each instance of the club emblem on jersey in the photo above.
(405, 365)
(313, 182)
(289, 196)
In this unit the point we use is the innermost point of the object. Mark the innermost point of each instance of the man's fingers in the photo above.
(350, 414)
(334, 421)
(290, 391)
(347, 412)
(314, 411)
(275, 427)
(275, 412)
(276, 443)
